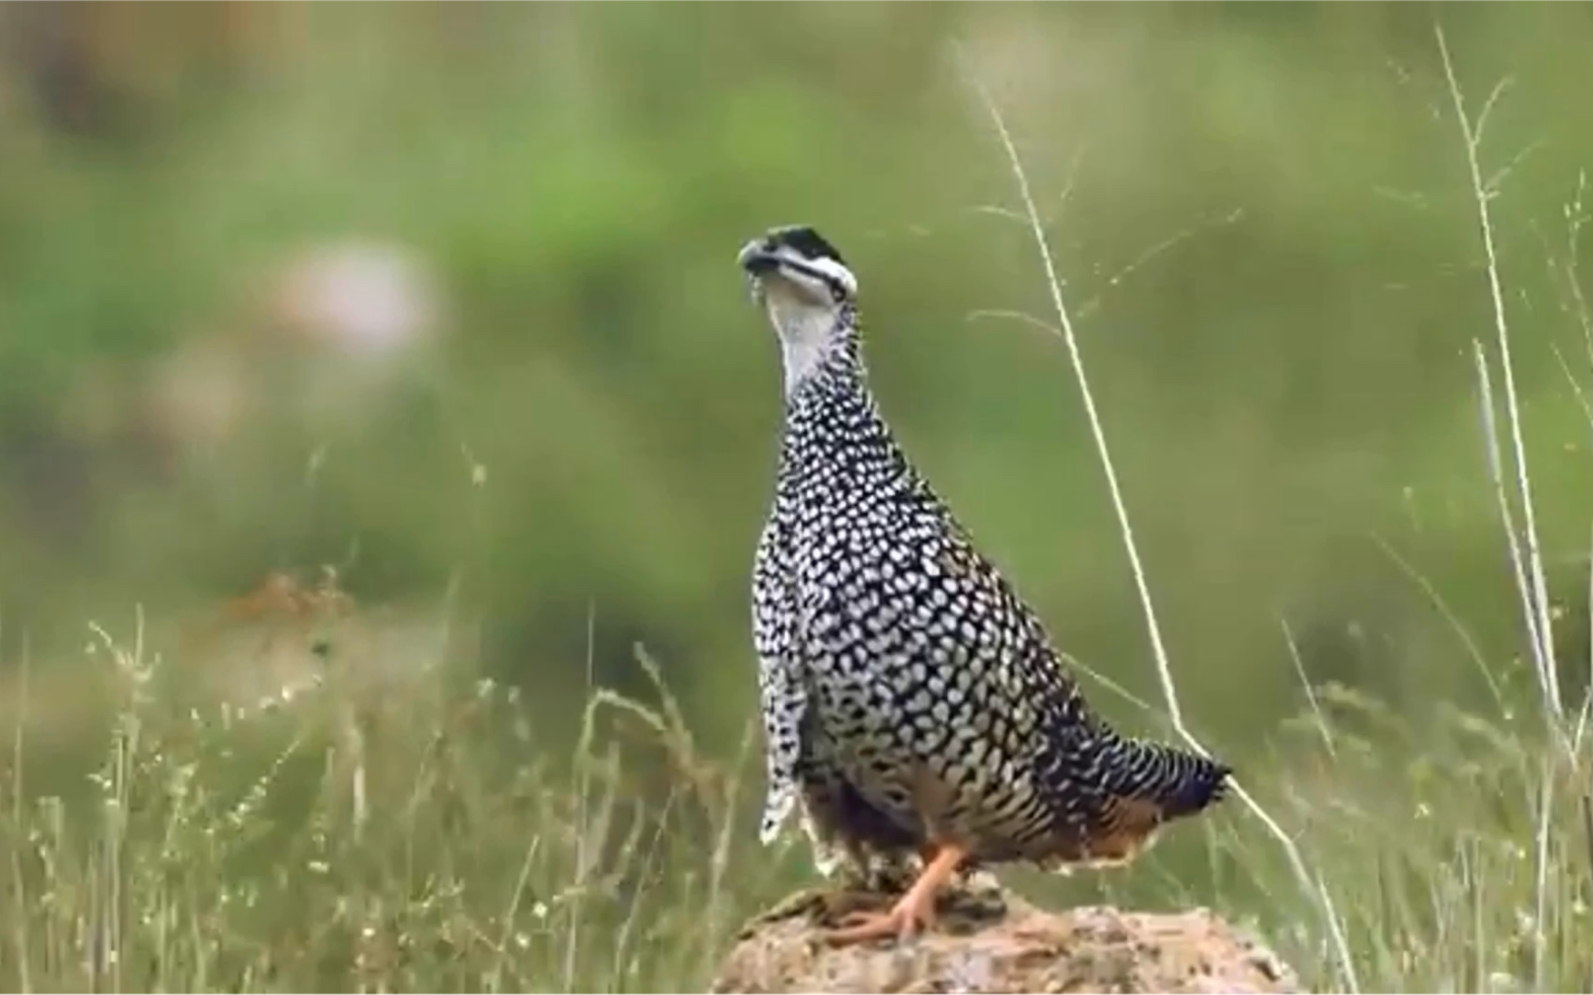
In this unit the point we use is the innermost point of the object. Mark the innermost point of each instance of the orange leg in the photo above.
(915, 910)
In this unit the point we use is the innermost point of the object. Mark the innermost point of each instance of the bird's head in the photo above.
(797, 263)
(806, 288)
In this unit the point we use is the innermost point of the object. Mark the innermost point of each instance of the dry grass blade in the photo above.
(1518, 564)
(509, 915)
(1441, 604)
(1312, 886)
(1539, 601)
(1531, 586)
(1540, 940)
(1310, 692)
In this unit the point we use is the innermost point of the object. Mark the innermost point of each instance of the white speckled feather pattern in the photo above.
(909, 694)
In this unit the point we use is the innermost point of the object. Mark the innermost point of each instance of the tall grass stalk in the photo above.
(1310, 882)
(1527, 562)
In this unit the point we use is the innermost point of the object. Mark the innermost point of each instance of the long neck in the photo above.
(833, 427)
(816, 344)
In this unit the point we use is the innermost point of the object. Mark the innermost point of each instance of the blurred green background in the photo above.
(445, 295)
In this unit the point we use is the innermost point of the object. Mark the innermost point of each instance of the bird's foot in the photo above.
(914, 912)
(906, 918)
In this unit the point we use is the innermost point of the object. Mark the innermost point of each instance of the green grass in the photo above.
(405, 825)
(417, 835)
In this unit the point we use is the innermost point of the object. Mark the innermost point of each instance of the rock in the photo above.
(989, 940)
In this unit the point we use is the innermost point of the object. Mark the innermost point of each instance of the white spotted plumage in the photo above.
(909, 694)
(781, 684)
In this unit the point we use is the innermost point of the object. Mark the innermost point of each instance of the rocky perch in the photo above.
(989, 940)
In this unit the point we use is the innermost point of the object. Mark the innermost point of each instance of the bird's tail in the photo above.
(1176, 781)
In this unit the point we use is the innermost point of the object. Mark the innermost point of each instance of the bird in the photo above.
(914, 705)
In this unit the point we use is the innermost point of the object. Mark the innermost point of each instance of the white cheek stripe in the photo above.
(833, 270)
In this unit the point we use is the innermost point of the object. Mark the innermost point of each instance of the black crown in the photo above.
(805, 240)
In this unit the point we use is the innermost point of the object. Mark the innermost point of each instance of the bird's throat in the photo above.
(814, 342)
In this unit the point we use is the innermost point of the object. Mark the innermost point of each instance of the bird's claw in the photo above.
(903, 921)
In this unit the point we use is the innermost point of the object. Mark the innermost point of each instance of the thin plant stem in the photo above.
(1312, 886)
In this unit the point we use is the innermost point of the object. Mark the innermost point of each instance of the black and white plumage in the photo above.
(912, 701)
